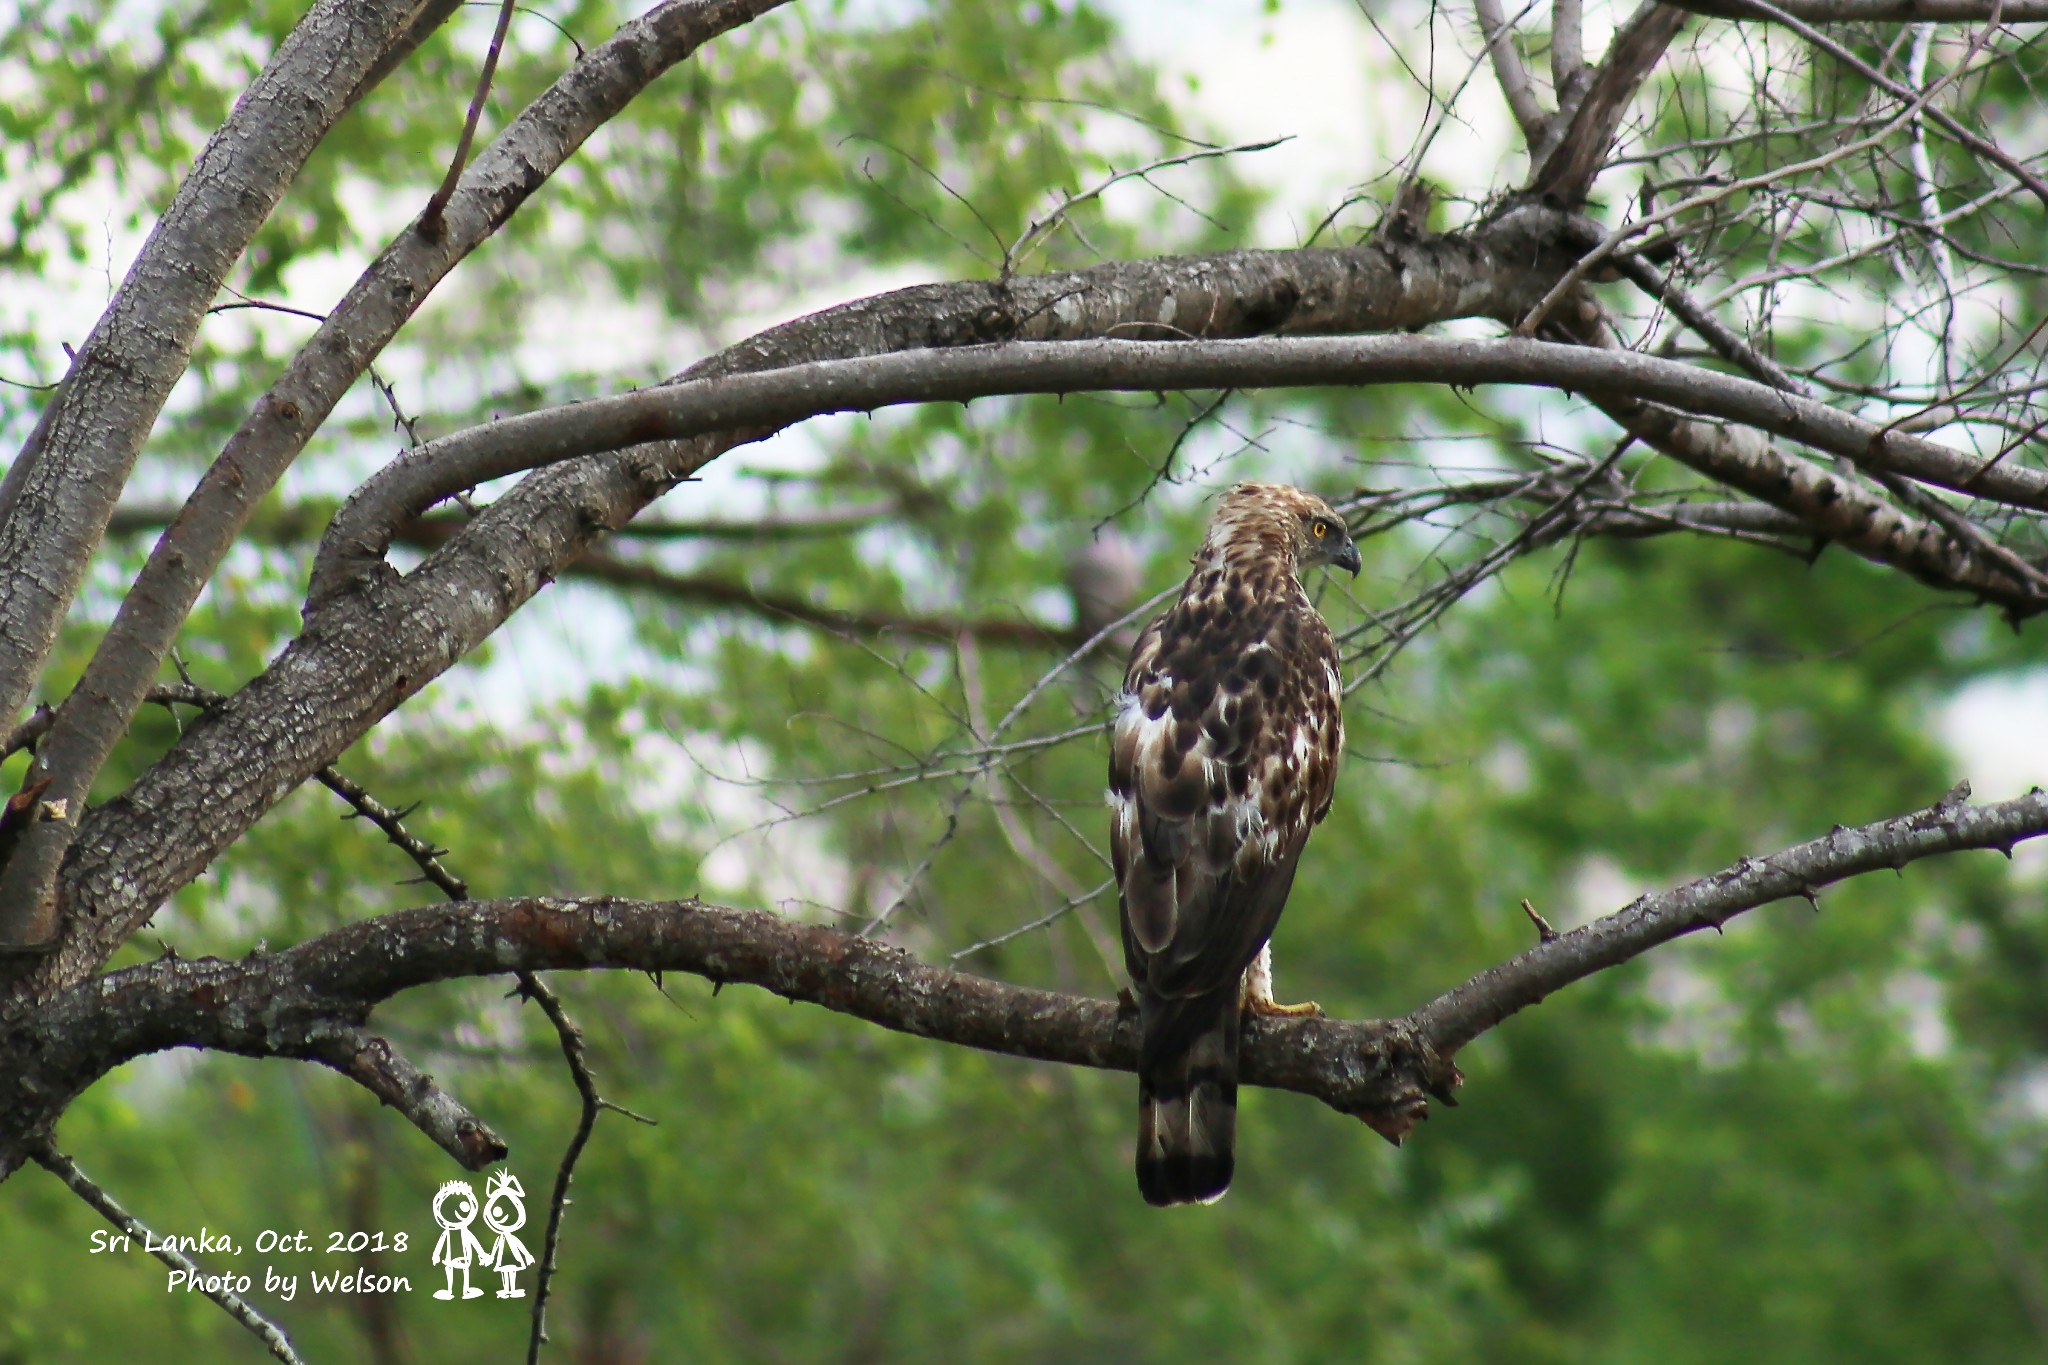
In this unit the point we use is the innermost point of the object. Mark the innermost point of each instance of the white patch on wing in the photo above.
(1246, 819)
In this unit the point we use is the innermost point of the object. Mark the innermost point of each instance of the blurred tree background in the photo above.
(1817, 1138)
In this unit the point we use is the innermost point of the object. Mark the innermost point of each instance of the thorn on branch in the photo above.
(1544, 933)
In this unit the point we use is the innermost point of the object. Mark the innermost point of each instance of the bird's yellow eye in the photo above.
(1322, 528)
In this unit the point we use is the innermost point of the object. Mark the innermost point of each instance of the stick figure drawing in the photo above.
(505, 1214)
(458, 1246)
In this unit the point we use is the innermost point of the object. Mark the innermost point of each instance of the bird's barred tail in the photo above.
(1187, 1099)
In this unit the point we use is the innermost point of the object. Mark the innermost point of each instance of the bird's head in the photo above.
(1279, 516)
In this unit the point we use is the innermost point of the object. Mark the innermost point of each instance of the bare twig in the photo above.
(1571, 279)
(1877, 11)
(263, 1329)
(1041, 229)
(430, 217)
(531, 987)
(1982, 146)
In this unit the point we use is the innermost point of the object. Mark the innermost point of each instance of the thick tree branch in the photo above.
(1382, 1072)
(57, 496)
(406, 487)
(516, 164)
(1833, 507)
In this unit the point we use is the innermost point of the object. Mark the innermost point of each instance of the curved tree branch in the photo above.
(282, 1004)
(774, 398)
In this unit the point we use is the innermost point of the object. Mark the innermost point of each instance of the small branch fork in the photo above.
(1383, 1072)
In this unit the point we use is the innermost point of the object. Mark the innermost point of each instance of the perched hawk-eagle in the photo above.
(1224, 757)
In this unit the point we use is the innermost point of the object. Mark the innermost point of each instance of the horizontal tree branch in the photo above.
(724, 591)
(365, 525)
(302, 524)
(1835, 508)
(282, 1004)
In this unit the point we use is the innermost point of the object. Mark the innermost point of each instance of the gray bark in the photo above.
(536, 144)
(55, 501)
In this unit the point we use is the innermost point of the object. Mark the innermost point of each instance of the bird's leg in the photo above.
(1258, 992)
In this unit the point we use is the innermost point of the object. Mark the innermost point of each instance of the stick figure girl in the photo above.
(505, 1214)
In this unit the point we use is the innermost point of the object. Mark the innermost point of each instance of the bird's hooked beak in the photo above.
(1347, 558)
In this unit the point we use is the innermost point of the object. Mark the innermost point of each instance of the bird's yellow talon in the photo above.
(1273, 1009)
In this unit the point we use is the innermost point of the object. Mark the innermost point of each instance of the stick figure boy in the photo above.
(458, 1245)
(505, 1214)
